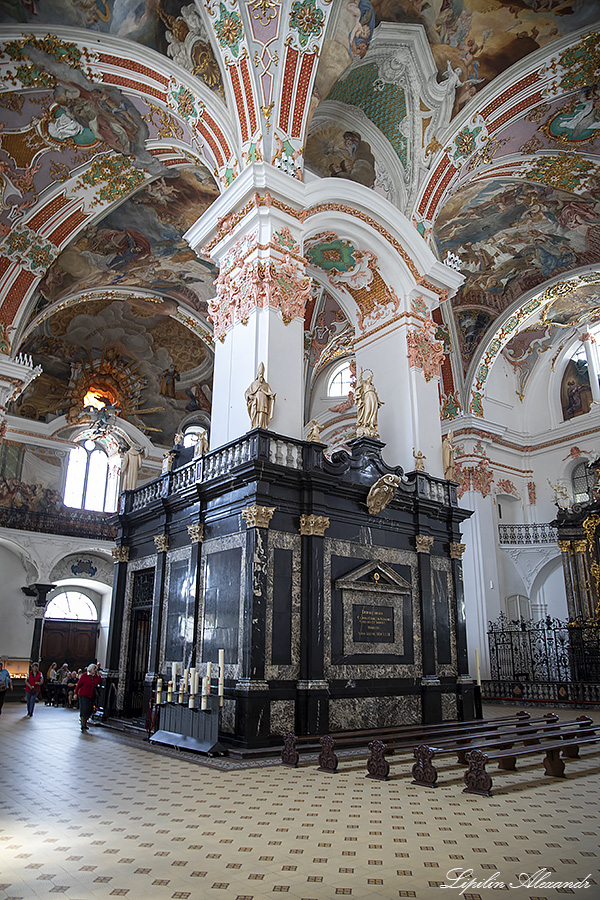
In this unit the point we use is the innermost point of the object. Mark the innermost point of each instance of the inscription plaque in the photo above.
(373, 624)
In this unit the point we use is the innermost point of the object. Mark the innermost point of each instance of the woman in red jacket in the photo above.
(33, 684)
(85, 691)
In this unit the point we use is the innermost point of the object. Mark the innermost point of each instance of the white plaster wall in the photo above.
(15, 631)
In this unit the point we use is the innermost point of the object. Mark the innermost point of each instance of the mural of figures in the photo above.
(481, 40)
(172, 27)
(341, 154)
(149, 364)
(151, 255)
(575, 390)
(510, 237)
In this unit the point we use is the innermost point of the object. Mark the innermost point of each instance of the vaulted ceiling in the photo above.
(122, 124)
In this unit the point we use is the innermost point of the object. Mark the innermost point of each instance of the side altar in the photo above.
(334, 587)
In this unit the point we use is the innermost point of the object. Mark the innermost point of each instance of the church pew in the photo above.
(293, 745)
(478, 781)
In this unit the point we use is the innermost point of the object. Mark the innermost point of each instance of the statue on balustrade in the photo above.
(130, 468)
(448, 457)
(367, 403)
(260, 400)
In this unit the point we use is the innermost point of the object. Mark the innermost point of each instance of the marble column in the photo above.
(565, 554)
(431, 695)
(468, 692)
(196, 535)
(161, 542)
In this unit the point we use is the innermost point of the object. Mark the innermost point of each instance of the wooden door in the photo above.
(68, 641)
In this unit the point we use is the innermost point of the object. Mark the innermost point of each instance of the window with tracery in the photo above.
(340, 381)
(92, 481)
(71, 605)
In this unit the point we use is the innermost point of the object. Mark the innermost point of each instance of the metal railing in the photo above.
(530, 534)
(548, 650)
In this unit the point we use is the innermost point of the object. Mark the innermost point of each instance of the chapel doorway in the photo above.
(139, 642)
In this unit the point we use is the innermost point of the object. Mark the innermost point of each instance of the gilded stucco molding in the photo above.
(314, 525)
(424, 543)
(258, 516)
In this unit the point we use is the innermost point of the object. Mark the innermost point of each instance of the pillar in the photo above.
(565, 555)
(431, 694)
(591, 353)
(196, 535)
(120, 557)
(161, 542)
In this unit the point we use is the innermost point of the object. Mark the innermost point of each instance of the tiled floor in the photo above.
(92, 816)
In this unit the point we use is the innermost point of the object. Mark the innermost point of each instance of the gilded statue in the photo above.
(448, 459)
(130, 467)
(419, 461)
(367, 403)
(260, 400)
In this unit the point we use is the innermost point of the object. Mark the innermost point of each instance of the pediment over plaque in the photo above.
(375, 577)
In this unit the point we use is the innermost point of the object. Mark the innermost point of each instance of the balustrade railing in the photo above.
(532, 534)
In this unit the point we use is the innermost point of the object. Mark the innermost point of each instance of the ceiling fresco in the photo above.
(155, 368)
(171, 27)
(481, 40)
(140, 244)
(511, 236)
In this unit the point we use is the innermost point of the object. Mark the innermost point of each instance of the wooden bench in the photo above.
(425, 773)
(400, 735)
(478, 781)
(310, 743)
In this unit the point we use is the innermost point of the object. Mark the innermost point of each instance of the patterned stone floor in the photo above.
(90, 816)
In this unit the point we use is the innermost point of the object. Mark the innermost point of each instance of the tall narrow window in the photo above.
(91, 481)
(340, 381)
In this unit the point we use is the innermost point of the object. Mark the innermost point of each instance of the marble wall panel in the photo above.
(374, 712)
(177, 633)
(227, 722)
(445, 623)
(355, 554)
(283, 715)
(279, 540)
(449, 707)
(231, 542)
(146, 562)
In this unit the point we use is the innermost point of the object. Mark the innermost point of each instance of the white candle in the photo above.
(209, 671)
(477, 665)
(159, 691)
(205, 690)
(174, 673)
(196, 681)
(181, 691)
(192, 681)
(221, 676)
(191, 701)
(170, 692)
(185, 679)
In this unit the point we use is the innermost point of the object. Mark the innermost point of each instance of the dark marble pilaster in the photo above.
(431, 700)
(196, 534)
(39, 592)
(456, 552)
(312, 711)
(113, 645)
(153, 672)
(565, 554)
(424, 544)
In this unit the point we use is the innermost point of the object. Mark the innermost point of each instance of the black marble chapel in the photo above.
(331, 618)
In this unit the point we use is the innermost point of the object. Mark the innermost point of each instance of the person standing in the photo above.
(33, 685)
(5, 684)
(85, 691)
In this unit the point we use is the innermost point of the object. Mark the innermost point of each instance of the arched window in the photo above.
(192, 435)
(91, 483)
(583, 480)
(340, 381)
(71, 605)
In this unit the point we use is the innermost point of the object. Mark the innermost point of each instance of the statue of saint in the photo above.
(367, 403)
(314, 432)
(201, 445)
(130, 469)
(448, 457)
(419, 461)
(260, 400)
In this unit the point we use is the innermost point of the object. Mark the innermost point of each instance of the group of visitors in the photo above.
(79, 687)
(60, 686)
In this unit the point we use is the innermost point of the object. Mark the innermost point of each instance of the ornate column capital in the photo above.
(579, 546)
(457, 550)
(161, 542)
(196, 532)
(424, 543)
(258, 516)
(120, 554)
(564, 546)
(314, 525)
